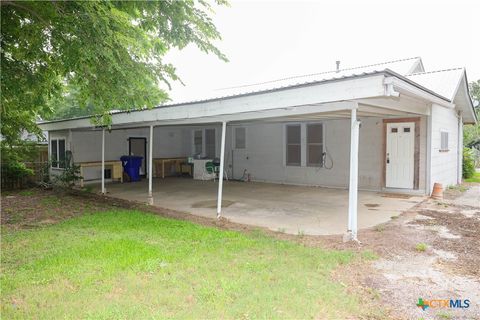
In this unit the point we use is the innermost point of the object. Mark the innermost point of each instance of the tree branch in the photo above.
(17, 5)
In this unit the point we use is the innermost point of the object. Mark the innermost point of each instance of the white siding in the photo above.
(444, 165)
(264, 155)
(87, 145)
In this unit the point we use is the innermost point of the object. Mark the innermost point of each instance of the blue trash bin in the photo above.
(131, 166)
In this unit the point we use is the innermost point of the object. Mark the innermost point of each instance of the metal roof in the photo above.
(401, 66)
(444, 82)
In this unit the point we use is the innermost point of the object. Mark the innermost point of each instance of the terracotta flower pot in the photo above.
(437, 192)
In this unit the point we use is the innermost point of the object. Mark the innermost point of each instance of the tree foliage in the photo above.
(471, 133)
(109, 52)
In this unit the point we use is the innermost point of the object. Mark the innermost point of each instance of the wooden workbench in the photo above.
(115, 165)
(159, 166)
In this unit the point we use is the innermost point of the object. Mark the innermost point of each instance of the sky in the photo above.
(267, 40)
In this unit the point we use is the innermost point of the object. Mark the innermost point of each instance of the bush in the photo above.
(69, 175)
(468, 167)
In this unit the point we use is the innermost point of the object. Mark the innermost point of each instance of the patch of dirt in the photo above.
(36, 207)
(465, 242)
(396, 195)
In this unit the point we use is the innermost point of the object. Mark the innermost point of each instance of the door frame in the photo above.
(145, 148)
(416, 153)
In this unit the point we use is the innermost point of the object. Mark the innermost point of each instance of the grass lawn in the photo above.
(475, 178)
(131, 264)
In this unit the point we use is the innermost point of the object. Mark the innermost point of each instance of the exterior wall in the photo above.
(264, 156)
(87, 145)
(444, 165)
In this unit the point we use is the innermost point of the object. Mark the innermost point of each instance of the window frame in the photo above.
(287, 144)
(235, 145)
(203, 144)
(194, 145)
(307, 145)
(214, 142)
(56, 163)
(444, 147)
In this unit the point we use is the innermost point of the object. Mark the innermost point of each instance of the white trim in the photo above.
(58, 138)
(407, 88)
(104, 191)
(222, 166)
(285, 142)
(306, 142)
(303, 142)
(219, 111)
(150, 166)
(353, 184)
(428, 168)
(234, 137)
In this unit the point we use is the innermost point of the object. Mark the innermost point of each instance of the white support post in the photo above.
(220, 178)
(353, 185)
(104, 191)
(150, 167)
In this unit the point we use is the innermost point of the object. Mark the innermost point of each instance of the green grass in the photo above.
(129, 264)
(475, 178)
(26, 193)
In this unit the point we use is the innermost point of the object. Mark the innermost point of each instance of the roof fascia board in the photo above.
(408, 88)
(470, 102)
(357, 88)
(326, 108)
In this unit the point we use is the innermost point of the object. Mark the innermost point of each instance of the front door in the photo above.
(400, 155)
(138, 147)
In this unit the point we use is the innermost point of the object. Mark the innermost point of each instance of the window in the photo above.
(54, 153)
(240, 138)
(443, 141)
(315, 145)
(197, 141)
(210, 143)
(294, 149)
(57, 149)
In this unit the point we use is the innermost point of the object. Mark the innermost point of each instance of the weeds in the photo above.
(421, 247)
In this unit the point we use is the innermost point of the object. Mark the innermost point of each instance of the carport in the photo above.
(379, 95)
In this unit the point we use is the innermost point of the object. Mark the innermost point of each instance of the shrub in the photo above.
(468, 168)
(67, 178)
(70, 173)
(421, 247)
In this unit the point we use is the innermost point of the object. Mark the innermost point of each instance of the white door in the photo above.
(400, 155)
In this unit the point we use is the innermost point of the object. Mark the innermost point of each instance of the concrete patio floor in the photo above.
(285, 208)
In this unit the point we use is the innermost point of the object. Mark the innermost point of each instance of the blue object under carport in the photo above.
(131, 166)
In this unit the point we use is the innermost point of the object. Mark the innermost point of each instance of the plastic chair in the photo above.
(209, 171)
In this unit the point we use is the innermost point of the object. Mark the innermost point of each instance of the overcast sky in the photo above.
(272, 39)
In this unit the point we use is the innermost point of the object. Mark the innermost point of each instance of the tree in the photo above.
(471, 133)
(109, 52)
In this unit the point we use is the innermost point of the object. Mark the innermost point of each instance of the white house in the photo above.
(389, 127)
